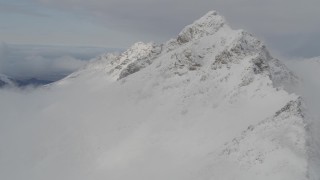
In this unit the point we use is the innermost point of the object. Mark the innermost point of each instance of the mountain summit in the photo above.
(210, 36)
(205, 26)
(211, 103)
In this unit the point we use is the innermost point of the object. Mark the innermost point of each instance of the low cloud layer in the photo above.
(43, 62)
(61, 132)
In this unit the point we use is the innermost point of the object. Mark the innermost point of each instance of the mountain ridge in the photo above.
(211, 103)
(210, 52)
(141, 55)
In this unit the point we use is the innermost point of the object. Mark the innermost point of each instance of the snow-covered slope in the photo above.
(209, 104)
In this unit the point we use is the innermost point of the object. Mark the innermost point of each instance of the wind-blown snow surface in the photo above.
(210, 104)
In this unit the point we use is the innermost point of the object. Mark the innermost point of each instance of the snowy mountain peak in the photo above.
(206, 25)
(208, 42)
(206, 105)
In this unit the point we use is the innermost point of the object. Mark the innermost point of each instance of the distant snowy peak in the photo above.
(207, 25)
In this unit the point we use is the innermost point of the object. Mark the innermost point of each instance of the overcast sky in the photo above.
(290, 27)
(44, 62)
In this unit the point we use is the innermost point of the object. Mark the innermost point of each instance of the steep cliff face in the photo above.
(211, 103)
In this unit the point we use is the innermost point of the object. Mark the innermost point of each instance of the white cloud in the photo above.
(43, 62)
